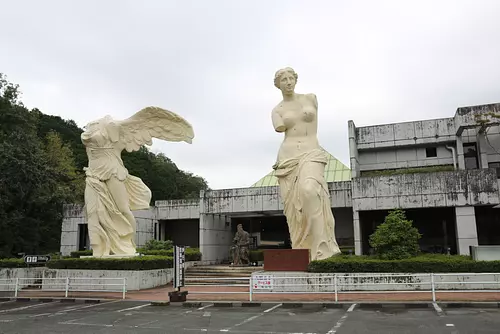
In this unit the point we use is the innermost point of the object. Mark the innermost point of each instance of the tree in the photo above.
(396, 238)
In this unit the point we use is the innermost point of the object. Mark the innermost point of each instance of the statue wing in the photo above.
(154, 122)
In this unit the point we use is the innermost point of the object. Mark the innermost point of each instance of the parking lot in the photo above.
(273, 318)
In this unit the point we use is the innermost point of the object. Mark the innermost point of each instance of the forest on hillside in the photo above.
(41, 168)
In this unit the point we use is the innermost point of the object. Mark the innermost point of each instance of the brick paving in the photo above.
(214, 293)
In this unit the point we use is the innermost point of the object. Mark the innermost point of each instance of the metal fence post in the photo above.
(17, 287)
(124, 287)
(67, 288)
(250, 281)
(336, 290)
(433, 288)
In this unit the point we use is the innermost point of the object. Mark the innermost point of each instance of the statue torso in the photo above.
(104, 155)
(300, 119)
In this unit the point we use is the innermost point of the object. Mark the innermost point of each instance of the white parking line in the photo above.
(341, 321)
(206, 306)
(25, 307)
(251, 318)
(134, 308)
(80, 308)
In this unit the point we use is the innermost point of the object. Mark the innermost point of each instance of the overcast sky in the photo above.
(213, 62)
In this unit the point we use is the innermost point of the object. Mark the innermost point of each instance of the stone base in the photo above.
(177, 296)
(112, 256)
(286, 259)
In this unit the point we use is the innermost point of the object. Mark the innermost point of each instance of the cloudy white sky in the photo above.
(213, 62)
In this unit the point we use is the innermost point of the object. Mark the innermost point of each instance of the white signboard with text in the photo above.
(262, 282)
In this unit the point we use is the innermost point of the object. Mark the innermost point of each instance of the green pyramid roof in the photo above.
(335, 171)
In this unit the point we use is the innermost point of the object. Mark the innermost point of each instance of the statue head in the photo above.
(285, 80)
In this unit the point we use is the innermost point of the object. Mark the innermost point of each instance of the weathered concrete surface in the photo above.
(264, 199)
(136, 279)
(420, 190)
(406, 134)
(74, 215)
(215, 237)
(466, 117)
(177, 209)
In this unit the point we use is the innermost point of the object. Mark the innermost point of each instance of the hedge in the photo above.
(135, 263)
(419, 264)
(192, 254)
(12, 263)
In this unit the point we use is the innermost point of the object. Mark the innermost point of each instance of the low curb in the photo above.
(50, 300)
(470, 305)
(343, 305)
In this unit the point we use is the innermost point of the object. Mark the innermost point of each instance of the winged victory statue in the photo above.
(111, 193)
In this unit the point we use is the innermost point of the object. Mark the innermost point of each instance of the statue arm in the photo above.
(278, 124)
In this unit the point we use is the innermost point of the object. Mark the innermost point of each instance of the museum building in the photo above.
(443, 172)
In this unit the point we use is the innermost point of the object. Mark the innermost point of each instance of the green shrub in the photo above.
(158, 245)
(192, 254)
(420, 264)
(77, 254)
(396, 238)
(12, 263)
(135, 263)
(256, 255)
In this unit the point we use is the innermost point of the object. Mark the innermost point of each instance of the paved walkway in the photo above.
(212, 293)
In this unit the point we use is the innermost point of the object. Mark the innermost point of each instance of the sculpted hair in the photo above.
(279, 73)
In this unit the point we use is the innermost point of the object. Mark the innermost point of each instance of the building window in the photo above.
(431, 152)
(470, 156)
(496, 166)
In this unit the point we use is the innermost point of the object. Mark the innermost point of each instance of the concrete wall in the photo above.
(404, 157)
(215, 237)
(263, 199)
(74, 214)
(406, 134)
(418, 190)
(466, 229)
(318, 282)
(136, 279)
(177, 209)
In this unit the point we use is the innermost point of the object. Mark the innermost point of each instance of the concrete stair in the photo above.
(219, 275)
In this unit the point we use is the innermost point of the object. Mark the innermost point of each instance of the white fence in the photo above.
(263, 283)
(336, 284)
(66, 285)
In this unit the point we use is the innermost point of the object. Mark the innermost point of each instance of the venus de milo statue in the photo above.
(111, 193)
(300, 170)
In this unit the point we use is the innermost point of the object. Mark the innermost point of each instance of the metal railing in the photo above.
(411, 283)
(66, 285)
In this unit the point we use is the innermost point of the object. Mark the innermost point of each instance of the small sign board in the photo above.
(36, 259)
(179, 266)
(262, 282)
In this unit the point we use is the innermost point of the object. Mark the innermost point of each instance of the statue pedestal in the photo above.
(286, 259)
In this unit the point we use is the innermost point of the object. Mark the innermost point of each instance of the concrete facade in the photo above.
(74, 221)
(449, 163)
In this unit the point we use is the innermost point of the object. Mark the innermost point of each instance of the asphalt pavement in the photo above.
(118, 316)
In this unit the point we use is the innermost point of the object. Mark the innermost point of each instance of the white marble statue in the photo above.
(300, 170)
(111, 193)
